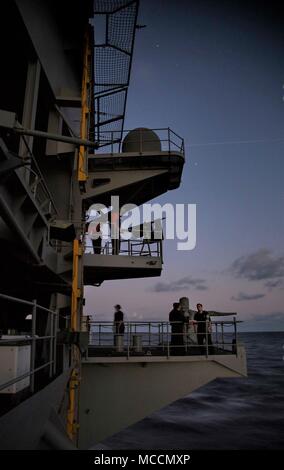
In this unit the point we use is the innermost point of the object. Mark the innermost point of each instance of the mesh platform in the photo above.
(112, 66)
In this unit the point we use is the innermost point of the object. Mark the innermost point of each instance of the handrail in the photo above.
(167, 137)
(25, 302)
(22, 377)
(160, 322)
(33, 338)
(164, 337)
(143, 248)
(38, 178)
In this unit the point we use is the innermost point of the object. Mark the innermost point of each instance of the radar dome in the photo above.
(141, 140)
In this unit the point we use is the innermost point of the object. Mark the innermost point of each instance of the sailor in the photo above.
(118, 320)
(114, 220)
(203, 326)
(94, 232)
(88, 323)
(176, 320)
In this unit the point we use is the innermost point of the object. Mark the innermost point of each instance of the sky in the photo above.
(213, 71)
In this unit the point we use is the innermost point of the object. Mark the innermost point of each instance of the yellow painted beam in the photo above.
(77, 288)
(74, 382)
(86, 99)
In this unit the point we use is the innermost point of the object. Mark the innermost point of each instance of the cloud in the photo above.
(242, 297)
(273, 321)
(272, 284)
(261, 265)
(180, 284)
(274, 316)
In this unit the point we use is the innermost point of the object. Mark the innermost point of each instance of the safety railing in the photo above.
(148, 248)
(33, 339)
(163, 338)
(169, 140)
(41, 193)
(37, 184)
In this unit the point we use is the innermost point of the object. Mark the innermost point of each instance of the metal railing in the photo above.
(41, 193)
(33, 340)
(170, 141)
(38, 185)
(163, 338)
(147, 248)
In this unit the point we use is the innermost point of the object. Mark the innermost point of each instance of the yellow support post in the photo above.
(86, 99)
(77, 286)
(72, 422)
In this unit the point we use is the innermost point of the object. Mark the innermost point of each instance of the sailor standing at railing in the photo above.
(118, 320)
(93, 226)
(203, 327)
(176, 320)
(114, 221)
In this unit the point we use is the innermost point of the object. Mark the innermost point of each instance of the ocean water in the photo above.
(239, 413)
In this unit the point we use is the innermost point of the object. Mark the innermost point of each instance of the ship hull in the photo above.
(117, 392)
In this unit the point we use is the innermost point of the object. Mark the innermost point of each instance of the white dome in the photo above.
(141, 140)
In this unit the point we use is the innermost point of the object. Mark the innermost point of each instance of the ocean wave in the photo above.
(241, 413)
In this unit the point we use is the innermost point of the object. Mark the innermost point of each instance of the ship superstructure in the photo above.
(63, 148)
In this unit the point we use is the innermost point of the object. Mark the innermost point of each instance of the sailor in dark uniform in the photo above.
(203, 323)
(118, 320)
(176, 320)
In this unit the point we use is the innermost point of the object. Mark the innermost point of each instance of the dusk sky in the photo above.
(214, 73)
